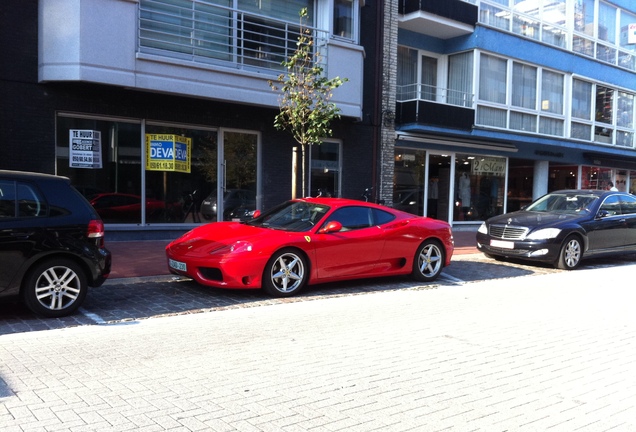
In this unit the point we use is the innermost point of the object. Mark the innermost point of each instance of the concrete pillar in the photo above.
(540, 179)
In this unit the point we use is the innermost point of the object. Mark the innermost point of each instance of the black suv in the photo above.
(51, 243)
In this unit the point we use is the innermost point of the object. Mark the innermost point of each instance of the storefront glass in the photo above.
(563, 177)
(520, 183)
(595, 177)
(325, 169)
(408, 181)
(479, 187)
(163, 177)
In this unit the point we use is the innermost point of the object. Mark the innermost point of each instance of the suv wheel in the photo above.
(55, 288)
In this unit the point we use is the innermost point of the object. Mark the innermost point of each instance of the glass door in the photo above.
(438, 186)
(237, 176)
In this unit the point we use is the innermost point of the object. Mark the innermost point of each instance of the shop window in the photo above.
(104, 160)
(563, 177)
(479, 187)
(325, 169)
(520, 183)
(408, 180)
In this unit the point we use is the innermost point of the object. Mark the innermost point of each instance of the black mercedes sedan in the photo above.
(563, 227)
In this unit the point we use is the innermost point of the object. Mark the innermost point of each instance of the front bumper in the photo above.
(220, 271)
(536, 250)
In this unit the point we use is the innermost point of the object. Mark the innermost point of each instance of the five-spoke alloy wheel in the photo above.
(428, 262)
(285, 273)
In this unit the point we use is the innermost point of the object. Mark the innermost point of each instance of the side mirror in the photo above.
(255, 214)
(333, 226)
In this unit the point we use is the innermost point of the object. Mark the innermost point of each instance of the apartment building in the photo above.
(154, 108)
(500, 101)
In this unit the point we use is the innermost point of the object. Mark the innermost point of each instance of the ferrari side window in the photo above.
(380, 217)
(353, 218)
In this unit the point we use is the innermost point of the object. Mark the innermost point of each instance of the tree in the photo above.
(305, 94)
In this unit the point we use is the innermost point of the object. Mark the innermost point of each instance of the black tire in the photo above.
(428, 262)
(286, 273)
(571, 253)
(55, 288)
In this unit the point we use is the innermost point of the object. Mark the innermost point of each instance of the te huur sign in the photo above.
(168, 153)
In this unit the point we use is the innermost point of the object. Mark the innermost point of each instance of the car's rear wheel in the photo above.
(570, 254)
(428, 262)
(285, 274)
(55, 288)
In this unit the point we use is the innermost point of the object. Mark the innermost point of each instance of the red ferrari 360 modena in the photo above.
(310, 241)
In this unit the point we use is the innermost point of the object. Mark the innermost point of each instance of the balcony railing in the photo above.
(211, 34)
(426, 92)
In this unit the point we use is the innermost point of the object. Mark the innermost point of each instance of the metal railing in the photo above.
(211, 34)
(431, 93)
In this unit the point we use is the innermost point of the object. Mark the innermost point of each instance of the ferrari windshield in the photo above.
(292, 216)
(563, 203)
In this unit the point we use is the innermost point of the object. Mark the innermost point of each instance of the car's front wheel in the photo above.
(55, 288)
(285, 274)
(428, 262)
(570, 254)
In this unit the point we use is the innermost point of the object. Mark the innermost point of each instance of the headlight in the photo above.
(236, 247)
(483, 229)
(544, 234)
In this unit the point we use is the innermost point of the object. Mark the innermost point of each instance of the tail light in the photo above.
(96, 231)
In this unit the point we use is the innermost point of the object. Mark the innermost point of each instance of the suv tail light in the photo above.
(96, 230)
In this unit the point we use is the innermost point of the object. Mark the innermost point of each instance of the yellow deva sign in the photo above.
(168, 153)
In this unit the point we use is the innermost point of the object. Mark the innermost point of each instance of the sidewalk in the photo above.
(147, 257)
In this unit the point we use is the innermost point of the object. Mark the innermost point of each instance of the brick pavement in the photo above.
(552, 352)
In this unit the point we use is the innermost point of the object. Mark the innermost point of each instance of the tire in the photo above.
(286, 273)
(428, 262)
(570, 254)
(55, 288)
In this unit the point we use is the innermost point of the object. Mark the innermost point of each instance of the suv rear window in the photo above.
(19, 199)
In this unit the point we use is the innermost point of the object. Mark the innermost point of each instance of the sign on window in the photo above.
(85, 149)
(168, 153)
(631, 33)
(489, 165)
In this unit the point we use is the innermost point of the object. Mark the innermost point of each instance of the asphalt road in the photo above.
(491, 347)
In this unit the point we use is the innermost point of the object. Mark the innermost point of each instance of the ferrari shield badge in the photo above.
(308, 239)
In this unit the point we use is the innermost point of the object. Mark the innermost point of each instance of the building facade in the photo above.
(501, 101)
(154, 108)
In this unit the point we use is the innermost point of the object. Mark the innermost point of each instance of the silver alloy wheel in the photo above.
(430, 260)
(572, 253)
(287, 272)
(57, 288)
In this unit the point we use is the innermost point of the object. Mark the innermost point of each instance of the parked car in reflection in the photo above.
(126, 208)
(310, 241)
(51, 243)
(563, 227)
(232, 199)
(409, 200)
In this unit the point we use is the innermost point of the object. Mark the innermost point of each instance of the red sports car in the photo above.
(310, 241)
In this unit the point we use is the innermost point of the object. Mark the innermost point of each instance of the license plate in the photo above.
(177, 265)
(502, 244)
